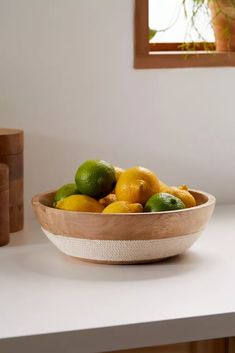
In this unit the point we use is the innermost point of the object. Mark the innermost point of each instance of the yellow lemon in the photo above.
(123, 207)
(81, 203)
(164, 187)
(184, 195)
(136, 207)
(183, 187)
(118, 172)
(107, 200)
(181, 192)
(136, 185)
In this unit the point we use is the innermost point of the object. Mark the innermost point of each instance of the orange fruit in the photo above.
(136, 185)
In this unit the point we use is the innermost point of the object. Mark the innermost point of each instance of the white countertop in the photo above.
(52, 301)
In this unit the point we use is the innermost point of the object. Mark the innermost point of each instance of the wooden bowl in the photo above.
(123, 238)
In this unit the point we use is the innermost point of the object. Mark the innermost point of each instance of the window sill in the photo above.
(154, 60)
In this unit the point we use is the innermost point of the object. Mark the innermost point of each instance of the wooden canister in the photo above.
(11, 154)
(4, 205)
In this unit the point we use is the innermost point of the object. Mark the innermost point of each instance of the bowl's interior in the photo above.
(199, 197)
(47, 198)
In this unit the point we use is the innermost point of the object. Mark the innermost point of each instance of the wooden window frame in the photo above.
(163, 55)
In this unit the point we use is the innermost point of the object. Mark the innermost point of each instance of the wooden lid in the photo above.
(4, 177)
(11, 141)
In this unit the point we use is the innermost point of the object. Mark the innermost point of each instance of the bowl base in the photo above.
(122, 251)
(137, 262)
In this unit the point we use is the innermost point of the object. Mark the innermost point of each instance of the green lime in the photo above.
(64, 191)
(95, 178)
(163, 202)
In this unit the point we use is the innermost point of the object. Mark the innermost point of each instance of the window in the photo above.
(175, 44)
(169, 18)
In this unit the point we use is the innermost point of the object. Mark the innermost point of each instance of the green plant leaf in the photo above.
(152, 33)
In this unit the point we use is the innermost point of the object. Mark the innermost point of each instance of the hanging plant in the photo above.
(222, 15)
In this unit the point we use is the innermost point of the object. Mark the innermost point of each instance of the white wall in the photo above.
(67, 79)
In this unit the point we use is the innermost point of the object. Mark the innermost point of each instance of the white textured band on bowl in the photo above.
(122, 251)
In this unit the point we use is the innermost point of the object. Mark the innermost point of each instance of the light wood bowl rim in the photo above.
(211, 200)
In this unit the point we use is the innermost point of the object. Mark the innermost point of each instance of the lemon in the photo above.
(95, 178)
(123, 207)
(136, 185)
(107, 200)
(181, 192)
(183, 187)
(185, 196)
(163, 202)
(118, 172)
(164, 187)
(81, 203)
(64, 191)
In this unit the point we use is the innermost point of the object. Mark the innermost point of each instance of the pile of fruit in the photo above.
(101, 187)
